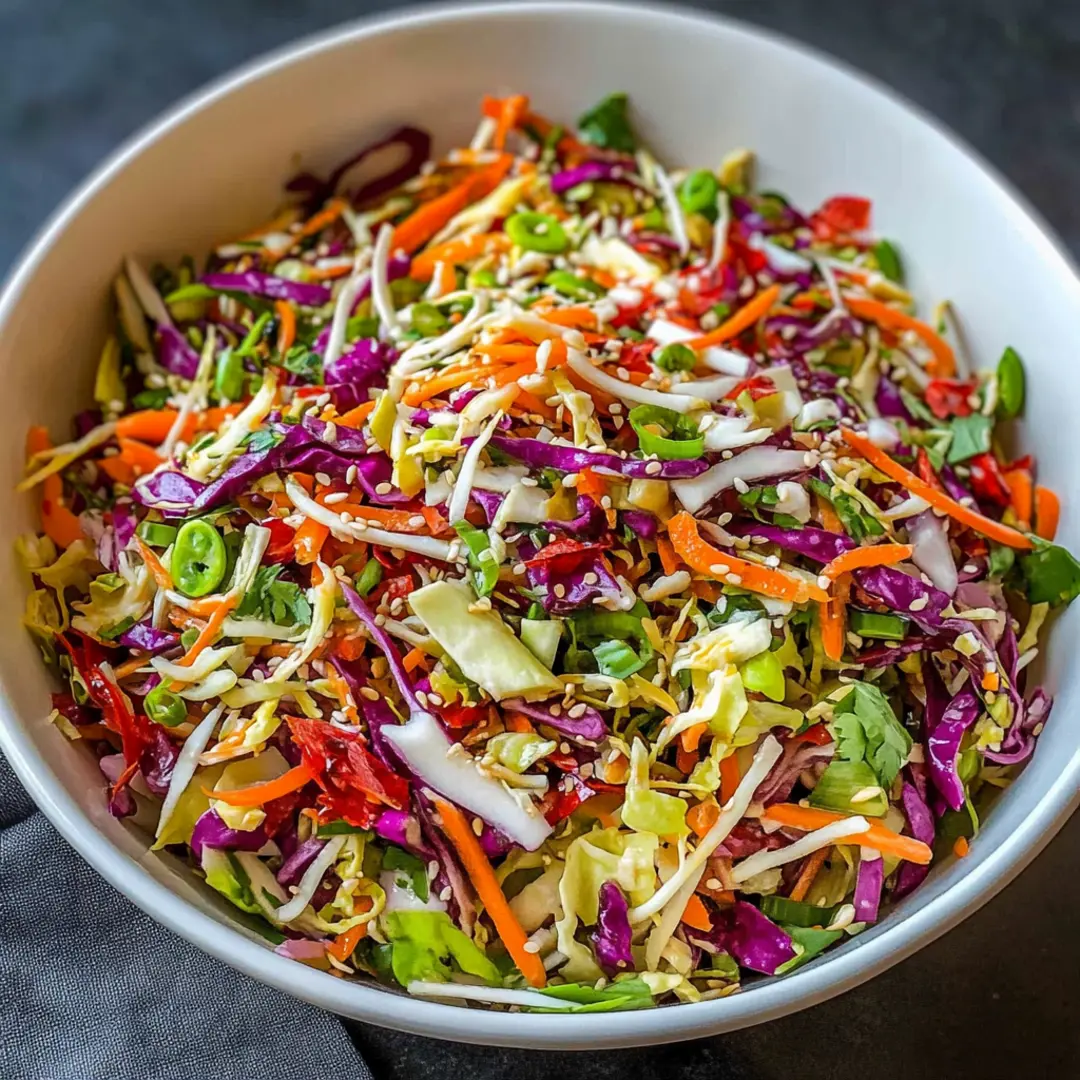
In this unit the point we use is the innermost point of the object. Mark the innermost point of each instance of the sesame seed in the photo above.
(713, 883)
(559, 590)
(740, 485)
(477, 826)
(918, 603)
(322, 478)
(591, 578)
(531, 946)
(335, 497)
(734, 579)
(416, 521)
(383, 488)
(719, 569)
(823, 582)
(653, 468)
(370, 693)
(446, 893)
(350, 475)
(577, 710)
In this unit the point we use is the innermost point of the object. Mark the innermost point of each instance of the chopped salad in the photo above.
(540, 578)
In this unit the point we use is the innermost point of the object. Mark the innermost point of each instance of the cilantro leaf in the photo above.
(607, 125)
(866, 729)
(300, 360)
(970, 437)
(280, 602)
(263, 439)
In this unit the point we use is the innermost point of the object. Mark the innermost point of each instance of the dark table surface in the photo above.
(999, 996)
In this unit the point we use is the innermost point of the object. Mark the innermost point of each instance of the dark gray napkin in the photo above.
(93, 989)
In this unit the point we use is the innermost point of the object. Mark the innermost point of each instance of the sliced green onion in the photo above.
(229, 377)
(369, 577)
(872, 624)
(156, 534)
(573, 287)
(481, 558)
(1010, 380)
(536, 232)
(199, 558)
(253, 336)
(681, 441)
(795, 912)
(617, 660)
(698, 193)
(165, 707)
(676, 357)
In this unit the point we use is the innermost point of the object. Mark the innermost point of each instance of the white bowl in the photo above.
(699, 86)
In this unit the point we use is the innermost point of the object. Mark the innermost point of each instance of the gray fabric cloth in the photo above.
(93, 989)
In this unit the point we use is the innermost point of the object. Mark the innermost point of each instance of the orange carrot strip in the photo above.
(961, 847)
(669, 561)
(832, 615)
(518, 723)
(701, 556)
(577, 318)
(287, 326)
(881, 461)
(328, 273)
(117, 470)
(702, 817)
(695, 914)
(874, 555)
(454, 252)
(309, 539)
(153, 425)
(691, 737)
(58, 522)
(991, 681)
(815, 861)
(490, 892)
(943, 366)
(729, 776)
(427, 389)
(209, 631)
(355, 418)
(877, 836)
(161, 576)
(260, 794)
(142, 458)
(414, 658)
(510, 116)
(508, 354)
(1047, 513)
(342, 947)
(129, 667)
(424, 222)
(1021, 494)
(742, 320)
(326, 216)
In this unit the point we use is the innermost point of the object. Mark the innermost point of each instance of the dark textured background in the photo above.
(998, 997)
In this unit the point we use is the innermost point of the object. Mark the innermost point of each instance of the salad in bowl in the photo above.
(539, 578)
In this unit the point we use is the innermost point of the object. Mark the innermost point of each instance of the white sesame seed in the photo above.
(383, 488)
(918, 603)
(370, 693)
(322, 478)
(653, 468)
(740, 485)
(335, 497)
(350, 475)
(531, 946)
(719, 569)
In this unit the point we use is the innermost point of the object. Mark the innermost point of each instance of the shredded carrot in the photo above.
(117, 470)
(141, 458)
(309, 539)
(326, 216)
(342, 947)
(576, 318)
(991, 680)
(490, 892)
(260, 794)
(741, 320)
(669, 561)
(860, 557)
(209, 631)
(154, 425)
(511, 112)
(1047, 513)
(708, 591)
(60, 524)
(729, 776)
(161, 576)
(832, 615)
(814, 862)
(424, 222)
(129, 667)
(286, 326)
(881, 461)
(961, 847)
(328, 273)
(1021, 494)
(701, 556)
(414, 658)
(430, 388)
(453, 252)
(685, 760)
(518, 722)
(702, 818)
(692, 736)
(943, 365)
(695, 914)
(828, 517)
(355, 418)
(877, 836)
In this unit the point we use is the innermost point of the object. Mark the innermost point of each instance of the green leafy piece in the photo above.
(858, 524)
(866, 729)
(341, 828)
(666, 433)
(970, 437)
(151, 399)
(573, 287)
(224, 873)
(841, 782)
(888, 260)
(300, 360)
(229, 376)
(361, 326)
(698, 192)
(809, 943)
(280, 602)
(156, 533)
(617, 660)
(764, 674)
(608, 125)
(396, 858)
(481, 557)
(1002, 559)
(622, 994)
(263, 439)
(1011, 384)
(428, 320)
(428, 946)
(1051, 574)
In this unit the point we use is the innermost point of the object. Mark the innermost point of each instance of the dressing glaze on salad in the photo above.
(540, 579)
